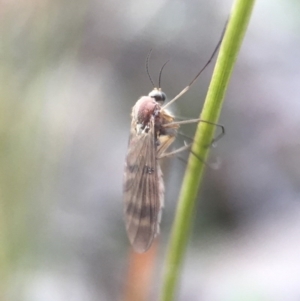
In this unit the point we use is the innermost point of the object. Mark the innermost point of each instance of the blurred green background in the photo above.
(70, 71)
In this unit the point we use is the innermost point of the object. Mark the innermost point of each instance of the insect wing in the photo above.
(143, 189)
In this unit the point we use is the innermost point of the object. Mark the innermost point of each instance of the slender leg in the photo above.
(218, 137)
(184, 148)
(176, 151)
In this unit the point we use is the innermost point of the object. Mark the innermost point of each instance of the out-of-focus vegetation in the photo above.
(35, 40)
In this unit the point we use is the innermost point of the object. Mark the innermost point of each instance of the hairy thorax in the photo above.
(143, 111)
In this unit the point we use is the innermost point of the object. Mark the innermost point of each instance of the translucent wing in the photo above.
(143, 189)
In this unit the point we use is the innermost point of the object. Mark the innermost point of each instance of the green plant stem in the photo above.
(230, 46)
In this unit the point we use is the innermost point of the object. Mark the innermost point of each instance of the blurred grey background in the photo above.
(70, 73)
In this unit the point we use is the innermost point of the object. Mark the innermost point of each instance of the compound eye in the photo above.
(159, 96)
(163, 96)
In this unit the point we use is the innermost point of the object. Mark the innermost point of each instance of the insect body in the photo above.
(152, 132)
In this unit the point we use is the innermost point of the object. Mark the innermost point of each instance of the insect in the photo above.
(153, 129)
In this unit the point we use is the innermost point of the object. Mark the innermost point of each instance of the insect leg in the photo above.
(200, 120)
(199, 73)
(186, 146)
(179, 150)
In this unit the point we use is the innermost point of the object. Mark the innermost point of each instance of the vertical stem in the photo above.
(236, 28)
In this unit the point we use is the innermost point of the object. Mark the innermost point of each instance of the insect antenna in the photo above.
(147, 67)
(160, 73)
(196, 77)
